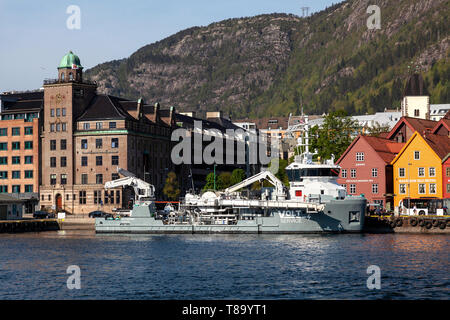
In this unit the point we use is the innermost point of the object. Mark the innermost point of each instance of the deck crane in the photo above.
(143, 191)
(263, 175)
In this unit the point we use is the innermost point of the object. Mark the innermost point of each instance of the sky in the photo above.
(34, 35)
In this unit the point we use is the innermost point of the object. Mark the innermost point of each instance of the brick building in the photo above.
(86, 136)
(20, 146)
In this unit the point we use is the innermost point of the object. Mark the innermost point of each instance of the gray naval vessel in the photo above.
(313, 203)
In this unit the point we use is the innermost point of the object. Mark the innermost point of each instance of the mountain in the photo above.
(271, 65)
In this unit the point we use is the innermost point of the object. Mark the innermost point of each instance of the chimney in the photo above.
(140, 104)
(214, 114)
(156, 109)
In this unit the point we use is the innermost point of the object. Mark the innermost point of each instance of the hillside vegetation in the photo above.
(272, 64)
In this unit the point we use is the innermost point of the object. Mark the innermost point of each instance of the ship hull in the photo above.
(338, 216)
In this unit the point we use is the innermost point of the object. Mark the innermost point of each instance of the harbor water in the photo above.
(333, 266)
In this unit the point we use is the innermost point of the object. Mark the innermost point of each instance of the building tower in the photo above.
(65, 98)
(416, 101)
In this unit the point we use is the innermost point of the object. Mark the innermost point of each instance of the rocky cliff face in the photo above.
(272, 64)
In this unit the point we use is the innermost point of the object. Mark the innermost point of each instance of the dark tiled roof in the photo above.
(16, 102)
(385, 148)
(439, 144)
(105, 107)
(415, 124)
(189, 122)
(415, 86)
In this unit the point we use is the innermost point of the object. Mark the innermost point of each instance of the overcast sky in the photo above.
(34, 35)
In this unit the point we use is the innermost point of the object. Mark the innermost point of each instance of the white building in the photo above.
(11, 208)
(438, 111)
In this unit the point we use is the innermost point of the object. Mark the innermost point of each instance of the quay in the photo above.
(429, 224)
(29, 225)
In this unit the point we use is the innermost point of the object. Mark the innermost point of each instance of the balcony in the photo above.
(56, 81)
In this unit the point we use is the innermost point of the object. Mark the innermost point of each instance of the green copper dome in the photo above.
(69, 61)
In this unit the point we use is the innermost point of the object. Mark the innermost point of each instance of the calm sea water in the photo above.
(33, 266)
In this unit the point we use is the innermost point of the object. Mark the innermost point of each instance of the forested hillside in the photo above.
(271, 64)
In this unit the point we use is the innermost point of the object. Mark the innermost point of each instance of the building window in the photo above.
(86, 126)
(402, 188)
(99, 125)
(28, 130)
(28, 145)
(16, 188)
(58, 127)
(15, 145)
(99, 178)
(344, 173)
(432, 171)
(117, 197)
(115, 160)
(416, 155)
(3, 131)
(84, 144)
(375, 188)
(352, 188)
(15, 160)
(99, 160)
(421, 172)
(28, 174)
(29, 188)
(97, 197)
(28, 159)
(114, 142)
(49, 197)
(447, 172)
(15, 131)
(422, 188)
(448, 188)
(401, 172)
(3, 160)
(3, 146)
(53, 179)
(114, 176)
(63, 110)
(84, 178)
(52, 162)
(3, 174)
(58, 112)
(52, 112)
(3, 189)
(344, 186)
(64, 127)
(52, 127)
(63, 178)
(106, 197)
(82, 197)
(374, 172)
(98, 143)
(63, 161)
(84, 161)
(67, 197)
(432, 188)
(52, 144)
(416, 113)
(353, 173)
(360, 156)
(63, 144)
(16, 174)
(112, 125)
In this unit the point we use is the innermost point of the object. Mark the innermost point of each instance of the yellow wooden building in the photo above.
(417, 168)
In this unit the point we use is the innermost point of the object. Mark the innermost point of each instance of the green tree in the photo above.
(334, 136)
(223, 181)
(171, 189)
(237, 176)
(377, 129)
(281, 173)
(209, 182)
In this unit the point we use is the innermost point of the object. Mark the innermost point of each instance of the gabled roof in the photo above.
(439, 144)
(443, 122)
(386, 149)
(105, 107)
(415, 124)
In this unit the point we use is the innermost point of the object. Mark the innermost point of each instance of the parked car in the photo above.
(40, 214)
(96, 214)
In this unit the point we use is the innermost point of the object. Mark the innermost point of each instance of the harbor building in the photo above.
(20, 146)
(366, 169)
(406, 126)
(11, 208)
(417, 168)
(86, 136)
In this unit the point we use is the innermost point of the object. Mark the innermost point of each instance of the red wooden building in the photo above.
(366, 169)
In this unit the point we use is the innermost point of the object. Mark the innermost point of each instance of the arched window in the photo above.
(70, 76)
(62, 76)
